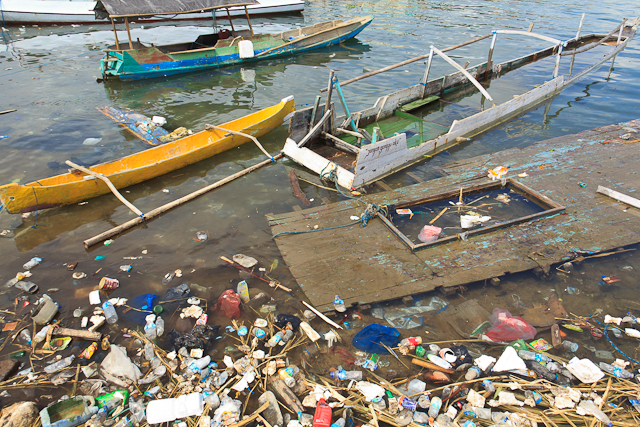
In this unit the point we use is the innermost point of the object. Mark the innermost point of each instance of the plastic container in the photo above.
(286, 375)
(532, 355)
(615, 371)
(407, 403)
(245, 50)
(416, 386)
(393, 403)
(243, 291)
(59, 365)
(32, 263)
(148, 351)
(434, 408)
(275, 339)
(159, 326)
(286, 337)
(338, 305)
(25, 336)
(347, 375)
(109, 312)
(322, 416)
(411, 341)
(166, 410)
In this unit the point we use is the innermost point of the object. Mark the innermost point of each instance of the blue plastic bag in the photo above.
(144, 304)
(370, 336)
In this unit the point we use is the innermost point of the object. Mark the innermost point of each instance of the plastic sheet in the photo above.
(370, 336)
(144, 305)
(229, 304)
(506, 328)
(408, 317)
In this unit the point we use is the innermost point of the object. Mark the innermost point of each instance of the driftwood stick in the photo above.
(251, 417)
(322, 316)
(164, 208)
(438, 216)
(7, 111)
(295, 187)
(77, 333)
(106, 180)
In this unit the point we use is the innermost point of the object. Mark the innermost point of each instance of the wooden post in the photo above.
(620, 34)
(233, 30)
(246, 12)
(327, 104)
(126, 21)
(113, 24)
(573, 56)
(556, 69)
(530, 27)
(579, 28)
(463, 71)
(425, 79)
(493, 44)
(314, 112)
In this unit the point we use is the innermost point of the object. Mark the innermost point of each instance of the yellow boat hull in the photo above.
(77, 186)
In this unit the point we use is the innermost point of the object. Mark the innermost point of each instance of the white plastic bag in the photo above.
(118, 364)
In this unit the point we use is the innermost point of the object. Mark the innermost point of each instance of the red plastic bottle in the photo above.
(322, 417)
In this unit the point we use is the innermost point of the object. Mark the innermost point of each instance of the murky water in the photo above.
(49, 75)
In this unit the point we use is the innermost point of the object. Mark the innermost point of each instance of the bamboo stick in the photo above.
(126, 22)
(164, 208)
(251, 417)
(322, 316)
(432, 366)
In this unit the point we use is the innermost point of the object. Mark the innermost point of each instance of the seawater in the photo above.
(49, 74)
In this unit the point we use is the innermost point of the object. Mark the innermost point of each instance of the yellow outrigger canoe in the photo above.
(76, 186)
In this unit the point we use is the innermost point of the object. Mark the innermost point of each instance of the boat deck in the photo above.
(370, 264)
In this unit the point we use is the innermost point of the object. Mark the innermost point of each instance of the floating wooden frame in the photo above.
(551, 208)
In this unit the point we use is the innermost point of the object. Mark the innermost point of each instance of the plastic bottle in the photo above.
(286, 375)
(407, 403)
(288, 333)
(549, 376)
(411, 341)
(434, 408)
(275, 339)
(488, 386)
(40, 336)
(635, 404)
(124, 422)
(159, 326)
(322, 416)
(338, 304)
(151, 330)
(59, 365)
(32, 263)
(532, 355)
(591, 409)
(615, 371)
(109, 312)
(473, 373)
(379, 404)
(25, 336)
(424, 401)
(393, 403)
(148, 351)
(571, 346)
(339, 423)
(198, 364)
(347, 375)
(137, 411)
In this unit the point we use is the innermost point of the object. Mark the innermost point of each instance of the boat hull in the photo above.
(81, 12)
(75, 187)
(152, 62)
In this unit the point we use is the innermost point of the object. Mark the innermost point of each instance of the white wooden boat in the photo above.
(79, 12)
(370, 144)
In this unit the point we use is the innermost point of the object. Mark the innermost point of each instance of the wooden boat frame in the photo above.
(77, 186)
(376, 160)
(551, 208)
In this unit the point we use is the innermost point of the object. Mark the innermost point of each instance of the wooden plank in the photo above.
(341, 145)
(380, 183)
(419, 103)
(415, 177)
(631, 201)
(316, 163)
(370, 264)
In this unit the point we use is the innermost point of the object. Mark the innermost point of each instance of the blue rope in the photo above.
(611, 342)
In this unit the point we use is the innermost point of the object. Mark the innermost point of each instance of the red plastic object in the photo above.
(322, 417)
(229, 304)
(508, 328)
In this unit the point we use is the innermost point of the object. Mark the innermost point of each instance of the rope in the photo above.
(611, 342)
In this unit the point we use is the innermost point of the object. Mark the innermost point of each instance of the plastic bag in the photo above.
(200, 337)
(406, 317)
(283, 319)
(507, 328)
(369, 337)
(229, 304)
(178, 292)
(144, 305)
(227, 413)
(118, 364)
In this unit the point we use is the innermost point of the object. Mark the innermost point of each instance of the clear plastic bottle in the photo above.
(434, 408)
(532, 355)
(150, 330)
(159, 326)
(199, 364)
(59, 365)
(347, 375)
(136, 407)
(32, 263)
(288, 333)
(42, 335)
(148, 351)
(615, 371)
(338, 304)
(25, 336)
(275, 339)
(110, 312)
(488, 386)
(571, 346)
(124, 422)
(473, 373)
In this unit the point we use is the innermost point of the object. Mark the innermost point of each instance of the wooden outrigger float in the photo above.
(84, 183)
(378, 141)
(134, 60)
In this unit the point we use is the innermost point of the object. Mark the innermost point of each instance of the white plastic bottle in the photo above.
(197, 365)
(338, 304)
(275, 339)
(109, 312)
(40, 336)
(434, 408)
(347, 375)
(59, 365)
(32, 263)
(150, 330)
(159, 326)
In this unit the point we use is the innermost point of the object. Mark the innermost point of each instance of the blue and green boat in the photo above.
(132, 60)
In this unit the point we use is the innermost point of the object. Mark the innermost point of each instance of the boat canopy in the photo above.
(138, 8)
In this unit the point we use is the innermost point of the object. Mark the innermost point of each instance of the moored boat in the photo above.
(135, 60)
(77, 186)
(82, 12)
(398, 130)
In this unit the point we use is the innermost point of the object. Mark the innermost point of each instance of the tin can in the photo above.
(108, 284)
(88, 352)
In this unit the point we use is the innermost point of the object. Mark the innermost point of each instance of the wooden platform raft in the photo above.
(371, 264)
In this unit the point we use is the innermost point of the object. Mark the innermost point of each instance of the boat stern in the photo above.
(111, 64)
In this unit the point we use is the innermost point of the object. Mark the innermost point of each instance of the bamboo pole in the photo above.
(409, 61)
(115, 33)
(322, 316)
(487, 72)
(106, 180)
(425, 78)
(233, 30)
(164, 208)
(463, 71)
(126, 22)
(246, 12)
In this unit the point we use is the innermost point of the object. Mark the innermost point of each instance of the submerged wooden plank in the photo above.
(370, 264)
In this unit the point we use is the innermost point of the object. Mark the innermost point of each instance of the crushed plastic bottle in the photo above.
(32, 263)
(338, 304)
(532, 355)
(589, 408)
(150, 329)
(159, 326)
(615, 371)
(42, 335)
(570, 346)
(109, 312)
(347, 375)
(25, 336)
(59, 365)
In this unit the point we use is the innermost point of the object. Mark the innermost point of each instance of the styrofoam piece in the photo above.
(245, 49)
(585, 370)
(166, 410)
(509, 360)
(94, 297)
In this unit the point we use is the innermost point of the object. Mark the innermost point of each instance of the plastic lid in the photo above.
(157, 309)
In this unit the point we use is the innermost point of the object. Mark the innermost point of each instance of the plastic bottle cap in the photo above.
(158, 309)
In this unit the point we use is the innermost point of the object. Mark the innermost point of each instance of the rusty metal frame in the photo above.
(551, 208)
